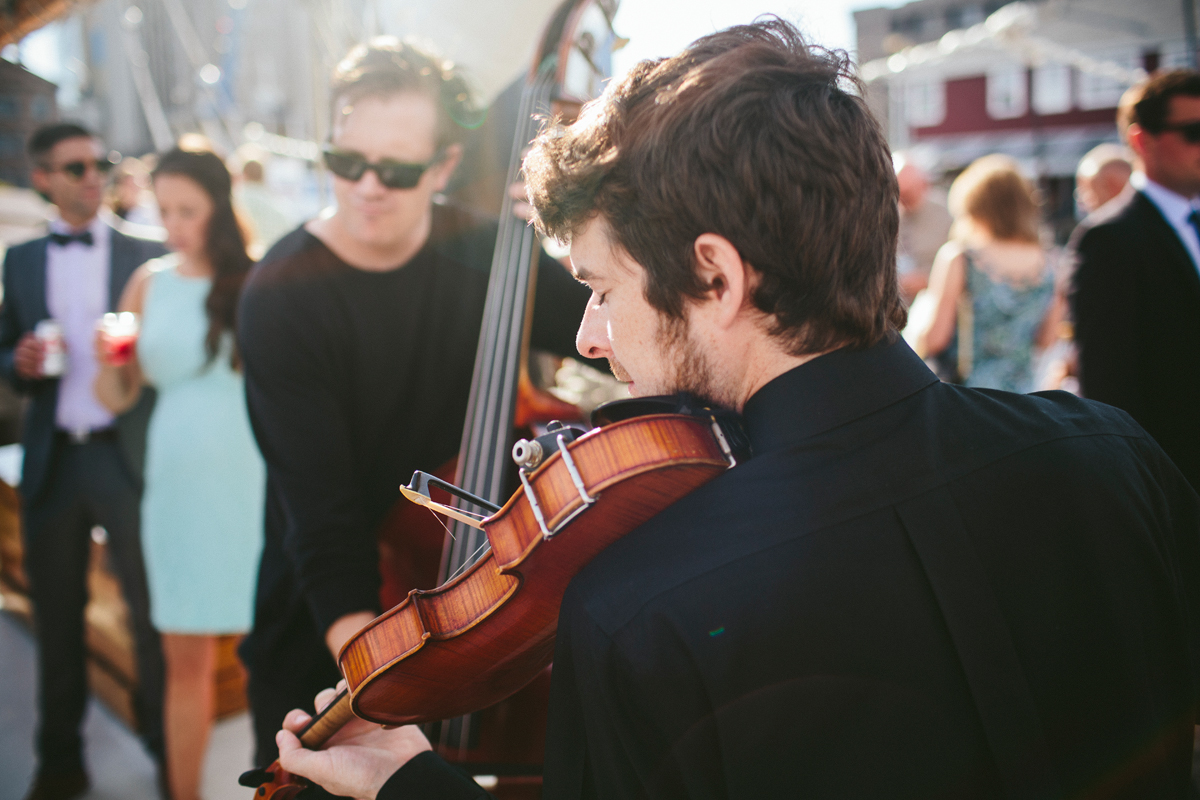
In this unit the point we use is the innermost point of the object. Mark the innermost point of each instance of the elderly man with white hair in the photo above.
(1101, 176)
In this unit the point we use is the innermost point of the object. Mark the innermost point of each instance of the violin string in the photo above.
(446, 527)
(480, 551)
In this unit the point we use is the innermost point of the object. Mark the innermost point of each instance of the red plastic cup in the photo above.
(118, 336)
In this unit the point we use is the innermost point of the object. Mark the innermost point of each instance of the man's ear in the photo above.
(445, 168)
(720, 267)
(1136, 135)
(41, 181)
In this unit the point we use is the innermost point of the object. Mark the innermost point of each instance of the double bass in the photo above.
(571, 62)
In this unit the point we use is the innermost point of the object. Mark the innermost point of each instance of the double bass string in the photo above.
(494, 388)
(500, 346)
(482, 382)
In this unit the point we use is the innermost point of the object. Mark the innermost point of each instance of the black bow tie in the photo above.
(64, 239)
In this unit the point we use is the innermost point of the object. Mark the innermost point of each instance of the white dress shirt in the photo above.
(77, 296)
(1175, 208)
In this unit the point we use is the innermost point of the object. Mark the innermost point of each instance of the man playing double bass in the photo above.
(912, 589)
(358, 332)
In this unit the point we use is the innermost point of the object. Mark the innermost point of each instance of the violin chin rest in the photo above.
(253, 778)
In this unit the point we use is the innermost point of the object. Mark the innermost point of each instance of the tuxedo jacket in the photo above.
(24, 306)
(1136, 303)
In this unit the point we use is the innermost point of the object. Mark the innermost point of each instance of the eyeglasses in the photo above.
(1190, 131)
(392, 174)
(77, 169)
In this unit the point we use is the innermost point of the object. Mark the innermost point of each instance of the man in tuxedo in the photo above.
(911, 589)
(1136, 292)
(82, 466)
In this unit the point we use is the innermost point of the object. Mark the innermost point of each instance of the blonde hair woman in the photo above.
(991, 286)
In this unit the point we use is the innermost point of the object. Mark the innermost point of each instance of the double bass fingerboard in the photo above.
(484, 455)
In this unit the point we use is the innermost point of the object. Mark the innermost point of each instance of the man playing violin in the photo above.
(912, 589)
(358, 333)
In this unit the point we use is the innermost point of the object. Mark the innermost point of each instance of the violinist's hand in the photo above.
(357, 761)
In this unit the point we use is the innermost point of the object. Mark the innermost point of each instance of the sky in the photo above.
(658, 28)
(654, 28)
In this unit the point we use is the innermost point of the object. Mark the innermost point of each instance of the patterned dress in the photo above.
(1006, 318)
(202, 511)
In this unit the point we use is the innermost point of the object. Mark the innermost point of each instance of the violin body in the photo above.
(417, 663)
(508, 737)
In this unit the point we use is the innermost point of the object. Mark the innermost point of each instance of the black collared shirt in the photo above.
(775, 635)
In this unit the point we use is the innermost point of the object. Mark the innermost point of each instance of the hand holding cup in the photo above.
(116, 338)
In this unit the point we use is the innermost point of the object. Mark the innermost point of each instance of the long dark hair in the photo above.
(225, 242)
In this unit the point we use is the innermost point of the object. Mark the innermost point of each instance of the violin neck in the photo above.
(483, 459)
(327, 722)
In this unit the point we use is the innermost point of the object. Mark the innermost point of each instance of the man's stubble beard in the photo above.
(689, 365)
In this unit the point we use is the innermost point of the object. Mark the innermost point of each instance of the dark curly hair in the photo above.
(752, 134)
(224, 243)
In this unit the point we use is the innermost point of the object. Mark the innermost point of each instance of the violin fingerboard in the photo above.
(328, 722)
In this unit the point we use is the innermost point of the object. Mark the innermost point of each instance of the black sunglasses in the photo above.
(77, 169)
(392, 174)
(1190, 131)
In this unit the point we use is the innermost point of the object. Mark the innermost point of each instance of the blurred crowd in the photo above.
(987, 286)
(1112, 316)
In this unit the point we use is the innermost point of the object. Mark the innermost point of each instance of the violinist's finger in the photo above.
(296, 719)
(324, 698)
(299, 760)
(287, 740)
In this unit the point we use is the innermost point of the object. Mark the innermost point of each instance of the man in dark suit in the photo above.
(912, 589)
(82, 466)
(1136, 292)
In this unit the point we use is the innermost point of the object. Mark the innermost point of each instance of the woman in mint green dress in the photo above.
(204, 480)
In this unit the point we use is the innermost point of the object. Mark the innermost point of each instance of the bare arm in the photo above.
(1048, 333)
(344, 627)
(118, 387)
(947, 280)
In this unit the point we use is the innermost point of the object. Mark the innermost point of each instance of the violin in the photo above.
(490, 630)
(571, 62)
